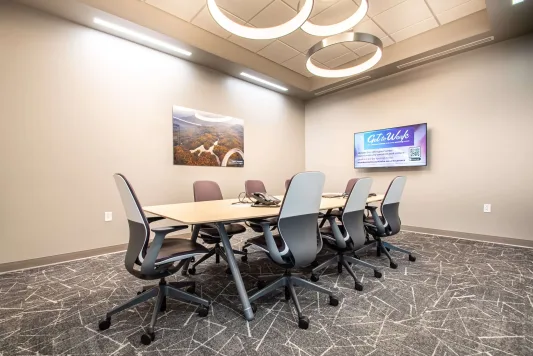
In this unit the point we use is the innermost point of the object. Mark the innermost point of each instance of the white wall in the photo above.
(77, 105)
(479, 110)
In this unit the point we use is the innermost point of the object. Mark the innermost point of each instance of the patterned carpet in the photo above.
(459, 298)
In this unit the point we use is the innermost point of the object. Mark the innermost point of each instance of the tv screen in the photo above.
(403, 146)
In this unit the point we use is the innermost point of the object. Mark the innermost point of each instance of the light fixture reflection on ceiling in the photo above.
(260, 33)
(341, 38)
(330, 30)
(266, 82)
(517, 1)
(140, 36)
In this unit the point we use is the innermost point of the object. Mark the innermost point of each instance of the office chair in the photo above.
(208, 191)
(296, 245)
(253, 186)
(338, 212)
(350, 235)
(388, 223)
(287, 182)
(155, 260)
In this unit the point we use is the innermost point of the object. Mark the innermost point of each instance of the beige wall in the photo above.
(479, 110)
(77, 105)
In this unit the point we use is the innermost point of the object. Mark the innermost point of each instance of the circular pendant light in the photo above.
(341, 38)
(342, 26)
(260, 33)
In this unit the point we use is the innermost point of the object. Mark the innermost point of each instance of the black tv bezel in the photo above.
(390, 128)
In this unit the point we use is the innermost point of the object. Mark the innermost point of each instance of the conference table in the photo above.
(220, 212)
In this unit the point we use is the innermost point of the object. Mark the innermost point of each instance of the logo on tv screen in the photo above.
(399, 137)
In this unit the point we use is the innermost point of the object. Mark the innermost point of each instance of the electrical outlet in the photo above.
(108, 216)
(487, 208)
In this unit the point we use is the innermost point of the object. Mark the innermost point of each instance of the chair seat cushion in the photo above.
(174, 247)
(209, 232)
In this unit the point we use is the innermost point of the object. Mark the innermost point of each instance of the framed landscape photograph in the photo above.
(206, 139)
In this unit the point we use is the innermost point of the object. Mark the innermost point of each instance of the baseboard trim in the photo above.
(52, 260)
(509, 241)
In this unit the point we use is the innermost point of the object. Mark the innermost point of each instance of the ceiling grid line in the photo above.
(433, 12)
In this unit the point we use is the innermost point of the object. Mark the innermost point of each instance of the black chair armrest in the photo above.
(165, 230)
(154, 219)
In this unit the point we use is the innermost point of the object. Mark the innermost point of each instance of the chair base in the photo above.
(218, 252)
(385, 247)
(161, 292)
(343, 261)
(288, 281)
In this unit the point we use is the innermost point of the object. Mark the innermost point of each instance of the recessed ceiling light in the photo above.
(266, 82)
(140, 36)
(342, 38)
(260, 33)
(517, 1)
(340, 27)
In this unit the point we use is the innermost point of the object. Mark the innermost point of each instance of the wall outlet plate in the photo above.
(487, 208)
(108, 216)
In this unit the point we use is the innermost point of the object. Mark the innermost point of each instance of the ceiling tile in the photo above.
(415, 29)
(278, 52)
(205, 20)
(336, 13)
(244, 9)
(461, 11)
(297, 64)
(274, 14)
(376, 7)
(370, 27)
(439, 6)
(293, 3)
(403, 15)
(345, 58)
(329, 53)
(184, 9)
(300, 40)
(251, 45)
(322, 5)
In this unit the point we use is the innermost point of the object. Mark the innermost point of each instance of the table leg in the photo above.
(194, 237)
(324, 219)
(243, 296)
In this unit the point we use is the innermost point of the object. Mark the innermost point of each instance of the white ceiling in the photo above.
(391, 20)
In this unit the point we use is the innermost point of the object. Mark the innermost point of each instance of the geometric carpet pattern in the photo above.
(459, 298)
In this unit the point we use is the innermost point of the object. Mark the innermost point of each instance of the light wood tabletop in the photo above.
(224, 210)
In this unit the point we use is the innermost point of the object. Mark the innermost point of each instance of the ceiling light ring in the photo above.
(330, 30)
(343, 38)
(261, 33)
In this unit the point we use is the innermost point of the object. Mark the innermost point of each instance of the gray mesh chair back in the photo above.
(297, 223)
(350, 185)
(206, 190)
(354, 211)
(391, 205)
(253, 186)
(137, 222)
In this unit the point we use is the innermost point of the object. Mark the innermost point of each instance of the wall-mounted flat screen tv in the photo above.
(404, 146)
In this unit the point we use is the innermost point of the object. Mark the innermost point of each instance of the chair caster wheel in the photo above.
(378, 274)
(261, 284)
(287, 294)
(303, 323)
(388, 249)
(193, 259)
(244, 259)
(146, 339)
(228, 271)
(333, 301)
(104, 324)
(314, 264)
(192, 271)
(393, 265)
(358, 286)
(412, 258)
(163, 307)
(139, 293)
(314, 278)
(191, 289)
(203, 311)
(254, 307)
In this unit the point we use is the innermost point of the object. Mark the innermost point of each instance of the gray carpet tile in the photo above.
(458, 298)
